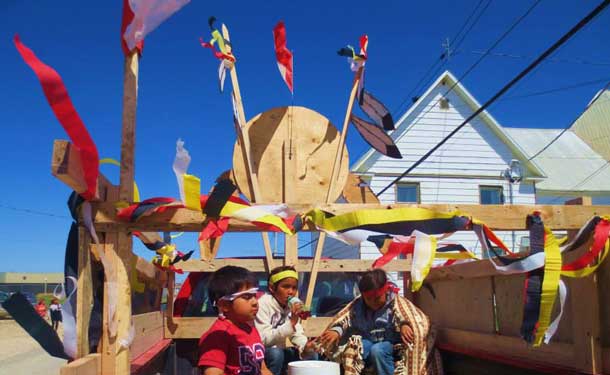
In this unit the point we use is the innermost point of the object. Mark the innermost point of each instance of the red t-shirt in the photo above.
(233, 349)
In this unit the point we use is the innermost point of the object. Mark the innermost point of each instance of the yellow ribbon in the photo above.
(136, 191)
(550, 284)
(192, 192)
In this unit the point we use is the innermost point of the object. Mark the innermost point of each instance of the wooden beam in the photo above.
(89, 365)
(496, 217)
(315, 268)
(193, 328)
(84, 297)
(141, 363)
(66, 166)
(586, 331)
(291, 252)
(148, 332)
(302, 265)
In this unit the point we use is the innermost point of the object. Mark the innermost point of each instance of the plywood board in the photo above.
(292, 149)
(88, 365)
(357, 191)
(148, 332)
(464, 304)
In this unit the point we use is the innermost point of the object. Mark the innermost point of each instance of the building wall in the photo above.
(593, 126)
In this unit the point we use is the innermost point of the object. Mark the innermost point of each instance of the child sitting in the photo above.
(380, 330)
(278, 319)
(232, 345)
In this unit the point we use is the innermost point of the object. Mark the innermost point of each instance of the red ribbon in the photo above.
(395, 249)
(59, 100)
(600, 236)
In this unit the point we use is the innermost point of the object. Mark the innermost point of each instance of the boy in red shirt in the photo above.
(232, 345)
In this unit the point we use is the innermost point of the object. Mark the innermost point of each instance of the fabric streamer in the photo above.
(180, 166)
(376, 137)
(283, 54)
(26, 316)
(224, 53)
(423, 256)
(59, 100)
(70, 282)
(144, 16)
(192, 192)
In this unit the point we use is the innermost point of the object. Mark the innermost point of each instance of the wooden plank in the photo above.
(508, 217)
(84, 297)
(291, 255)
(88, 365)
(554, 354)
(140, 364)
(148, 332)
(585, 310)
(303, 265)
(66, 166)
(464, 304)
(357, 191)
(315, 268)
(193, 328)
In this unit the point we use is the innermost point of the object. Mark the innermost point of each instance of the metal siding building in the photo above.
(30, 282)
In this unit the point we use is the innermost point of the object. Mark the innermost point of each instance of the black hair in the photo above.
(279, 269)
(229, 280)
(373, 279)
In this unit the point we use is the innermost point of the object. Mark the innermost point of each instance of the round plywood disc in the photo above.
(293, 151)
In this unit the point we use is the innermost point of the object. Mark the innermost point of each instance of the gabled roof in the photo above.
(365, 162)
(571, 165)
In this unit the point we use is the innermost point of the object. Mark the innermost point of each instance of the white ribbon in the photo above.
(180, 166)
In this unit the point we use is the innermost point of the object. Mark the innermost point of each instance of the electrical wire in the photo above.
(33, 212)
(552, 59)
(582, 23)
(443, 58)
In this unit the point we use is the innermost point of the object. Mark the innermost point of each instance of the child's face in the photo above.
(285, 288)
(375, 302)
(242, 309)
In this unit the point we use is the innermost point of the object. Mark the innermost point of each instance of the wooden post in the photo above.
(115, 358)
(586, 315)
(336, 167)
(245, 143)
(84, 297)
(291, 256)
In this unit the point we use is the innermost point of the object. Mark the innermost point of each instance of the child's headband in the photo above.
(380, 291)
(283, 275)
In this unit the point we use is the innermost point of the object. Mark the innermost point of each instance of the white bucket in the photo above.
(313, 368)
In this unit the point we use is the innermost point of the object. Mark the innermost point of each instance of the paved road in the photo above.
(20, 354)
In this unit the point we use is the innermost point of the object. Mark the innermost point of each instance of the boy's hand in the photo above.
(310, 346)
(265, 370)
(406, 334)
(295, 310)
(329, 338)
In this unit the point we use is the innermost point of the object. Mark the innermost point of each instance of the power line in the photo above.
(458, 43)
(569, 126)
(551, 59)
(33, 212)
(510, 84)
(443, 58)
(557, 89)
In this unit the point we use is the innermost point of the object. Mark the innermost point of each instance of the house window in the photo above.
(407, 193)
(491, 194)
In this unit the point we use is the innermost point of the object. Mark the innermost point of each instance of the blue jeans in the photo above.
(277, 359)
(379, 355)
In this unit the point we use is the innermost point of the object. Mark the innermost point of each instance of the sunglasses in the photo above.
(246, 294)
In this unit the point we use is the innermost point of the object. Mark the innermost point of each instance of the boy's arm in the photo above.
(298, 338)
(265, 329)
(212, 371)
(264, 370)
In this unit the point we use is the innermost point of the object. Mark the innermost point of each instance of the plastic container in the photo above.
(313, 368)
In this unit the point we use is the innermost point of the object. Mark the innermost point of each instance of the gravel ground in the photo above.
(20, 354)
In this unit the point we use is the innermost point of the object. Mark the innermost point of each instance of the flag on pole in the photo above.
(141, 17)
(283, 54)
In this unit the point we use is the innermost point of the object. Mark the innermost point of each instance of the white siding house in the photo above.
(470, 167)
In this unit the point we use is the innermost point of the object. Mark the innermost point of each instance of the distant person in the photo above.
(232, 345)
(41, 309)
(383, 331)
(55, 311)
(279, 318)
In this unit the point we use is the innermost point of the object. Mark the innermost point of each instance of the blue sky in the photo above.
(178, 95)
